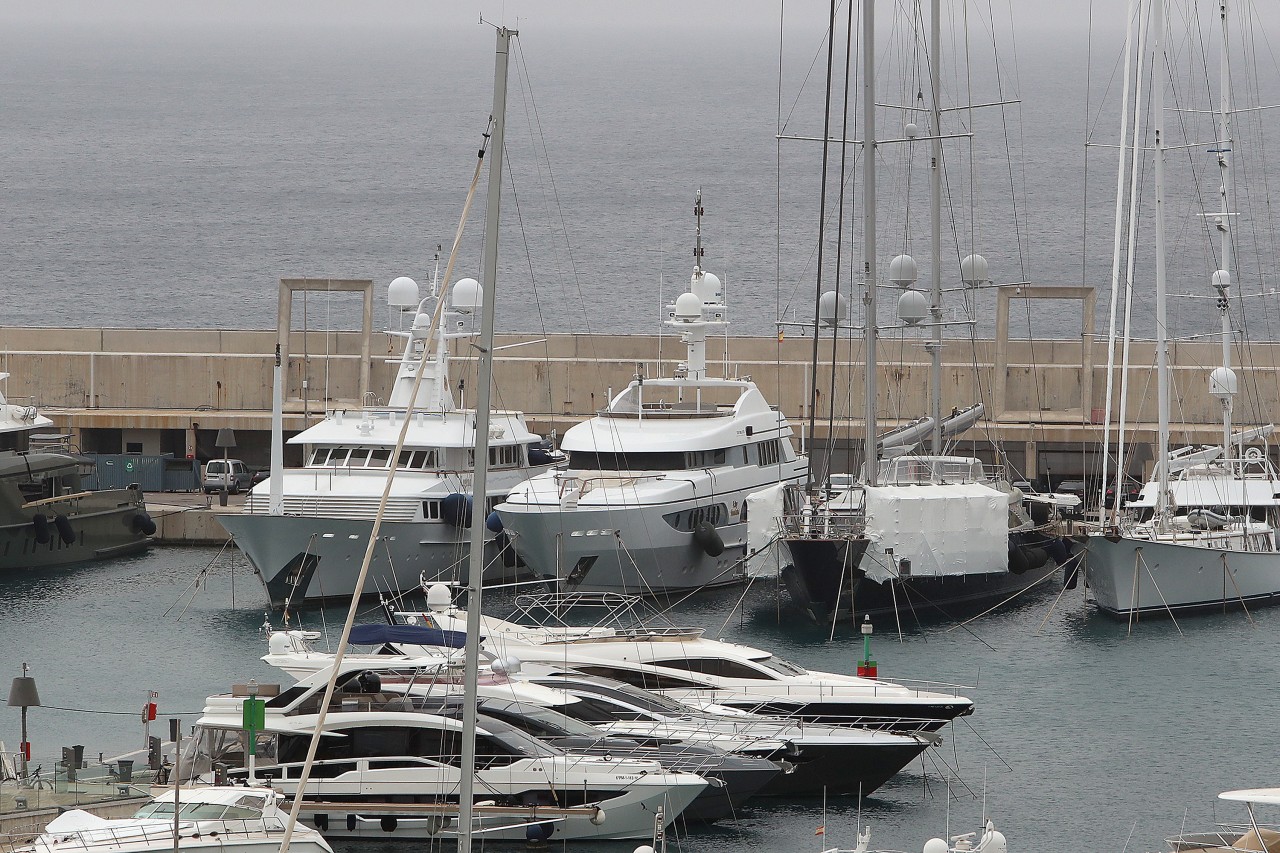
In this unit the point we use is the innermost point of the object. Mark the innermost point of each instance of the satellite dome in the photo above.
(912, 307)
(706, 286)
(995, 841)
(279, 643)
(1221, 279)
(911, 131)
(421, 321)
(438, 597)
(973, 270)
(936, 845)
(402, 292)
(467, 295)
(688, 307)
(1222, 383)
(903, 271)
(832, 308)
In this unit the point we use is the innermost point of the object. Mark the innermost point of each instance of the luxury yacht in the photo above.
(653, 498)
(213, 819)
(387, 766)
(681, 663)
(47, 518)
(313, 547)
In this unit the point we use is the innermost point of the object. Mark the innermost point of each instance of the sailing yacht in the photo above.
(918, 530)
(653, 498)
(1203, 533)
(312, 549)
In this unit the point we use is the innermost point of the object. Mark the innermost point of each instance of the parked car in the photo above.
(232, 473)
(1077, 488)
(1132, 490)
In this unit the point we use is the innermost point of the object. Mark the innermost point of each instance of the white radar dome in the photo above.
(279, 643)
(421, 321)
(995, 842)
(912, 307)
(402, 292)
(438, 597)
(903, 271)
(936, 845)
(832, 308)
(467, 295)
(707, 287)
(1221, 279)
(911, 130)
(1222, 383)
(973, 270)
(688, 307)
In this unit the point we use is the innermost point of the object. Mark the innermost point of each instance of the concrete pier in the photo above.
(169, 390)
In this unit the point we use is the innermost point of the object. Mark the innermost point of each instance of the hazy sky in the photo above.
(710, 16)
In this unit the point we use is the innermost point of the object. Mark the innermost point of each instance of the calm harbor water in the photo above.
(1083, 733)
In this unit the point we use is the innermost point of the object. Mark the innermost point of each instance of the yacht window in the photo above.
(431, 510)
(155, 810)
(706, 458)
(213, 811)
(590, 710)
(585, 460)
(768, 452)
(380, 742)
(717, 667)
(505, 456)
(643, 680)
(359, 457)
(378, 458)
(780, 665)
(287, 697)
(241, 813)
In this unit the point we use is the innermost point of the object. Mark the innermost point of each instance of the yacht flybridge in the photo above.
(313, 545)
(654, 496)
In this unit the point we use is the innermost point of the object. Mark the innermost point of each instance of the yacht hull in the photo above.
(858, 769)
(1128, 577)
(101, 525)
(303, 558)
(628, 550)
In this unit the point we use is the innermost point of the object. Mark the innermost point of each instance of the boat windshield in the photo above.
(246, 808)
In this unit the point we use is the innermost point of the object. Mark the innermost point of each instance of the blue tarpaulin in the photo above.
(372, 635)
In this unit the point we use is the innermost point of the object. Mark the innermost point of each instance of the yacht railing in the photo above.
(158, 833)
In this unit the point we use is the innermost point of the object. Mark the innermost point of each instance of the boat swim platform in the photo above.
(170, 390)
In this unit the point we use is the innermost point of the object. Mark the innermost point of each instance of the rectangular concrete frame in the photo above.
(1008, 292)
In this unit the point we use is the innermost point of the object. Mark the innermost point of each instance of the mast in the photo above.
(1162, 344)
(484, 372)
(871, 453)
(1121, 172)
(935, 225)
(1224, 387)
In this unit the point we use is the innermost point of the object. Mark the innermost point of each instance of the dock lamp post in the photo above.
(226, 440)
(255, 720)
(23, 694)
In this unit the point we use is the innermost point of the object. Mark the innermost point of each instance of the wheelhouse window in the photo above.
(707, 458)
(768, 452)
(588, 460)
(716, 666)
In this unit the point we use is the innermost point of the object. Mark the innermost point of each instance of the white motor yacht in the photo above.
(681, 663)
(388, 767)
(654, 496)
(314, 546)
(1249, 835)
(213, 819)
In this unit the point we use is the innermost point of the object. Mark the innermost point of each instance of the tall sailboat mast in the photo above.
(871, 454)
(484, 373)
(1158, 73)
(935, 224)
(1222, 381)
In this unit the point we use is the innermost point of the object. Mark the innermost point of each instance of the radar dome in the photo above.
(912, 307)
(911, 131)
(1222, 383)
(706, 287)
(1221, 279)
(995, 842)
(903, 271)
(688, 307)
(936, 845)
(832, 308)
(467, 295)
(279, 643)
(973, 270)
(402, 292)
(438, 597)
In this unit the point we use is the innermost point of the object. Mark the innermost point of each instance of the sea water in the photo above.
(1086, 735)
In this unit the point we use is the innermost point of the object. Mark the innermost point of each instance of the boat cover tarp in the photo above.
(951, 529)
(377, 633)
(764, 523)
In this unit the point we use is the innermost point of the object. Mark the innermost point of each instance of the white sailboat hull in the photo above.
(1130, 576)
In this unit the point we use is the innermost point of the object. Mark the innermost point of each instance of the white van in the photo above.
(231, 472)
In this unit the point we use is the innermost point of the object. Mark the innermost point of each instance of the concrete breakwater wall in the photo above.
(169, 389)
